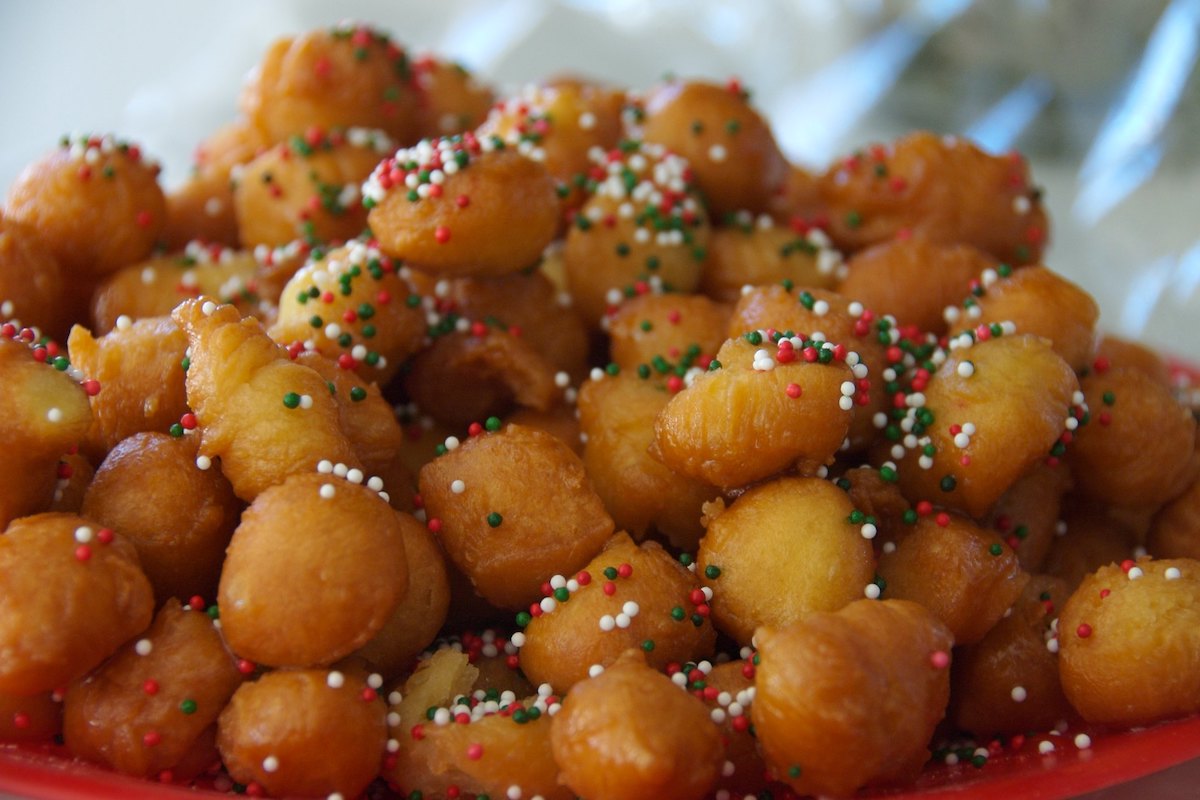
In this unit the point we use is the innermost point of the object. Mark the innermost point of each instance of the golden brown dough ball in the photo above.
(308, 187)
(355, 307)
(1128, 642)
(422, 608)
(179, 516)
(1136, 423)
(782, 550)
(154, 287)
(752, 252)
(995, 407)
(667, 332)
(43, 413)
(943, 188)
(1175, 532)
(304, 733)
(70, 593)
(513, 508)
(95, 203)
(1114, 351)
(347, 75)
(849, 698)
(617, 414)
(1087, 538)
(31, 281)
(630, 734)
(30, 718)
(1044, 304)
(139, 371)
(1027, 515)
(628, 596)
(730, 146)
(264, 416)
(314, 570)
(1007, 683)
(202, 207)
(642, 226)
(462, 205)
(144, 709)
(914, 278)
(450, 99)
(763, 408)
(962, 573)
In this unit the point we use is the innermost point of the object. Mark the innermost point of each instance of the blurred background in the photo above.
(1102, 95)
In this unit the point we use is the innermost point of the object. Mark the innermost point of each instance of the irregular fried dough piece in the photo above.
(664, 330)
(250, 401)
(756, 253)
(31, 280)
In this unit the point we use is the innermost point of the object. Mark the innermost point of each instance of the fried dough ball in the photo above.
(1113, 351)
(992, 411)
(364, 415)
(462, 205)
(942, 188)
(728, 690)
(344, 76)
(263, 415)
(178, 516)
(1129, 642)
(1175, 531)
(304, 733)
(308, 186)
(512, 509)
(70, 594)
(43, 413)
(782, 550)
(30, 718)
(355, 307)
(154, 287)
(763, 410)
(291, 593)
(630, 733)
(755, 252)
(1086, 539)
(730, 146)
(94, 202)
(914, 278)
(144, 709)
(422, 608)
(139, 369)
(643, 224)
(1007, 683)
(1045, 304)
(652, 606)
(31, 281)
(1027, 515)
(617, 416)
(202, 207)
(462, 378)
(852, 697)
(1138, 424)
(666, 331)
(450, 99)
(962, 573)
(559, 124)
(812, 313)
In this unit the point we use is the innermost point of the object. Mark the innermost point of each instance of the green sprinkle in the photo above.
(494, 519)
(358, 394)
(291, 400)
(491, 424)
(648, 645)
(1109, 398)
(176, 430)
(610, 573)
(562, 594)
(712, 572)
(188, 706)
(678, 614)
(523, 618)
(948, 483)
(185, 363)
(996, 549)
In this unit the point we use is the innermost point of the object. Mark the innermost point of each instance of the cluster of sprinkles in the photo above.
(790, 347)
(352, 475)
(93, 154)
(810, 240)
(47, 351)
(969, 309)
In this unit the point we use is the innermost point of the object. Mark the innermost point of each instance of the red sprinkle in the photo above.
(150, 687)
(1083, 631)
(939, 659)
(475, 751)
(794, 390)
(83, 552)
(442, 234)
(151, 738)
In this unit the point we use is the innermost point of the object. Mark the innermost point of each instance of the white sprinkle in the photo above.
(441, 716)
(324, 466)
(623, 621)
(513, 793)
(335, 680)
(203, 463)
(845, 403)
(871, 591)
(630, 608)
(518, 639)
(83, 534)
(548, 604)
(965, 369)
(208, 308)
(1018, 694)
(458, 487)
(717, 715)
(607, 623)
(597, 669)
(587, 121)
(374, 680)
(1135, 573)
(717, 153)
(1021, 204)
(1045, 746)
(869, 531)
(1171, 573)
(452, 443)
(270, 764)
(1083, 741)
(375, 483)
(306, 401)
(961, 440)
(327, 491)
(143, 647)
(54, 415)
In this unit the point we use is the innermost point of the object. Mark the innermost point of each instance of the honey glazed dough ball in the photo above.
(290, 593)
(450, 98)
(513, 508)
(666, 333)
(31, 281)
(1087, 538)
(154, 287)
(147, 707)
(178, 516)
(1119, 615)
(308, 187)
(942, 188)
(305, 732)
(345, 76)
(70, 593)
(628, 596)
(462, 205)
(729, 145)
(852, 697)
(630, 733)
(642, 225)
(1175, 531)
(749, 251)
(782, 550)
